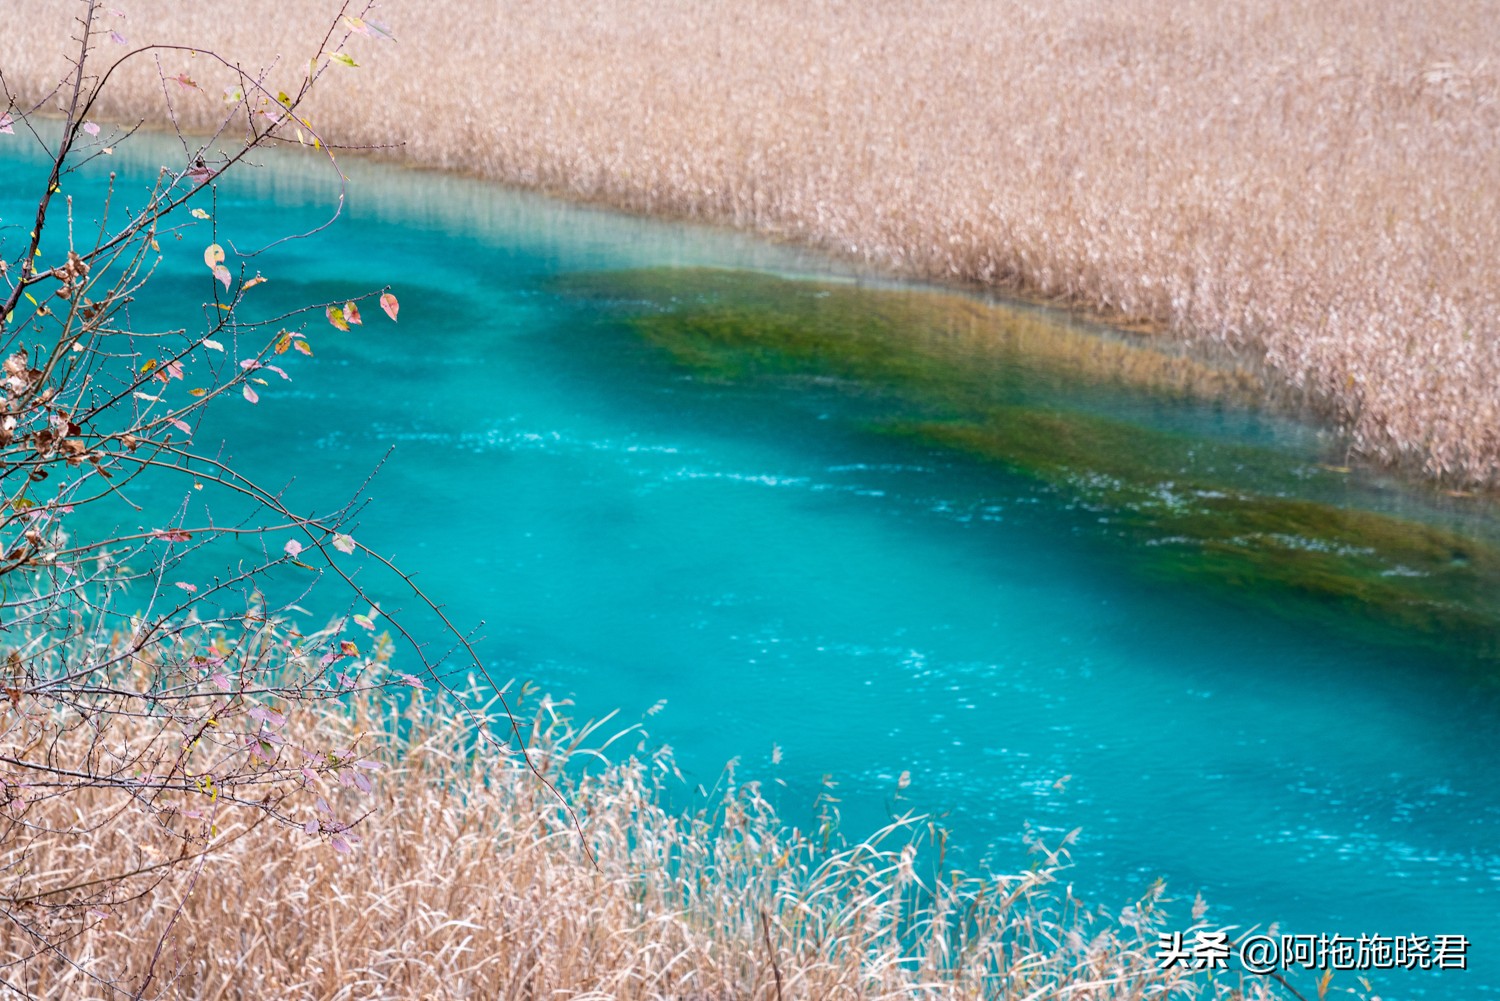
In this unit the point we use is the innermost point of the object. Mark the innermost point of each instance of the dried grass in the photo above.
(470, 882)
(1313, 184)
(1310, 183)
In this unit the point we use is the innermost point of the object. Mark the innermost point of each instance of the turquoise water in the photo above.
(760, 555)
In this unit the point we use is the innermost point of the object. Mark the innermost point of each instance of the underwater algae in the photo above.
(1018, 388)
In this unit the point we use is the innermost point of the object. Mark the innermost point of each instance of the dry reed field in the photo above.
(1312, 184)
(469, 881)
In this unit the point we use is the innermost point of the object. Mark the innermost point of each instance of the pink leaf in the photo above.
(221, 681)
(90, 128)
(181, 425)
(311, 827)
(348, 648)
(340, 845)
(351, 313)
(390, 305)
(292, 548)
(7, 126)
(172, 535)
(343, 543)
(117, 38)
(413, 681)
(250, 394)
(222, 273)
(189, 588)
(270, 717)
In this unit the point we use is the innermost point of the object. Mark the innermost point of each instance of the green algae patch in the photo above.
(736, 324)
(1407, 579)
(1041, 398)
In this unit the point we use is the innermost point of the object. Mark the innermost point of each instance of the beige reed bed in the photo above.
(1311, 184)
(468, 879)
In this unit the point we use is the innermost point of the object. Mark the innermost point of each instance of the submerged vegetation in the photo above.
(1297, 181)
(1035, 396)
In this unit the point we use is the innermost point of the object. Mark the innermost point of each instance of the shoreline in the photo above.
(1306, 200)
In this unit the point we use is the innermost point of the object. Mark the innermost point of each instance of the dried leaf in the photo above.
(351, 313)
(336, 317)
(250, 394)
(343, 543)
(390, 305)
(213, 255)
(370, 27)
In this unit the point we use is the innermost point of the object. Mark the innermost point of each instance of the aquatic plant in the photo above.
(1010, 386)
(1297, 182)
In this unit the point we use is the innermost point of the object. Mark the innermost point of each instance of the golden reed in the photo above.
(1309, 184)
(469, 881)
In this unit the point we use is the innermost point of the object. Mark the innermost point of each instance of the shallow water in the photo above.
(792, 557)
